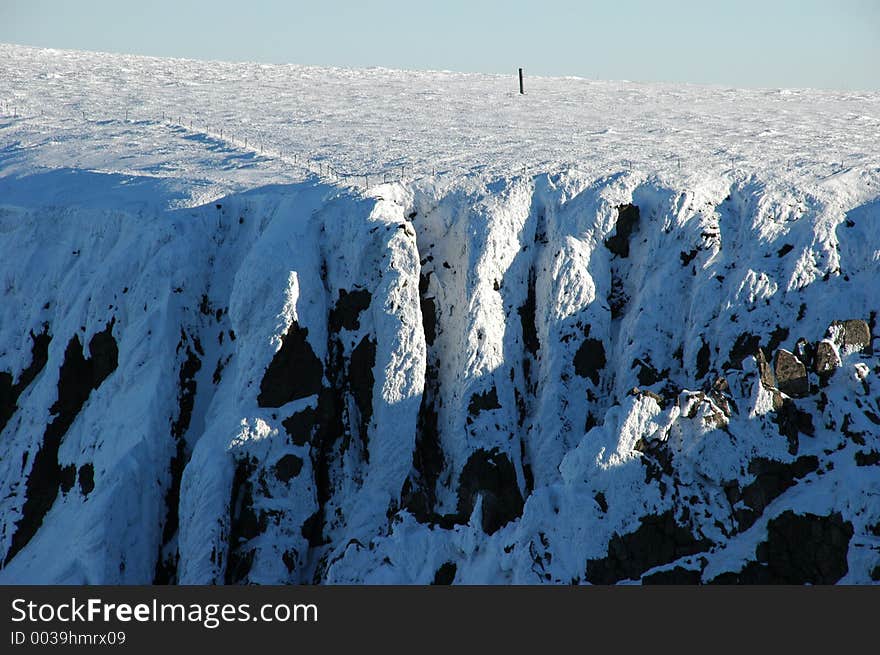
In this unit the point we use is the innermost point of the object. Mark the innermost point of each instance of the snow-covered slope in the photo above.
(434, 331)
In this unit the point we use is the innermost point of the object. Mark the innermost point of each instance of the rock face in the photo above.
(506, 382)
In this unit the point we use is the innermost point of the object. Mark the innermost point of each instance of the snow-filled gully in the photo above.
(548, 379)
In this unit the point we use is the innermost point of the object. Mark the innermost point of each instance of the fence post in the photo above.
(521, 91)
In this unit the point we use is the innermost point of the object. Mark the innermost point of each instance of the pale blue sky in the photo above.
(791, 43)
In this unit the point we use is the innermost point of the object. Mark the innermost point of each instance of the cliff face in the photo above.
(545, 378)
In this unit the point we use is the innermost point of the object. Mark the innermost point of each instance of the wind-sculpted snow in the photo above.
(226, 376)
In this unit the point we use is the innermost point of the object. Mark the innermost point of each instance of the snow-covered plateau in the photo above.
(286, 324)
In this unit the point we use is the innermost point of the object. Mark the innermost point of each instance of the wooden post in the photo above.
(521, 91)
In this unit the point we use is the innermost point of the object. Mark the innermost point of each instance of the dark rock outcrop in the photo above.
(78, 377)
(87, 478)
(345, 315)
(772, 479)
(445, 575)
(589, 360)
(481, 402)
(659, 540)
(746, 344)
(166, 564)
(627, 221)
(799, 549)
(490, 474)
(243, 524)
(288, 467)
(361, 380)
(294, 372)
(527, 318)
(299, 426)
(792, 421)
(11, 391)
(704, 356)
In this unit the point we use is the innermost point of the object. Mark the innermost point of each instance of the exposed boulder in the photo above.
(852, 335)
(826, 360)
(791, 374)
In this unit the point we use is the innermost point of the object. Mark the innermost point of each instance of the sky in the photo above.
(830, 44)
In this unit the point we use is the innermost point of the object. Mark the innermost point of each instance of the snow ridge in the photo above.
(215, 371)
